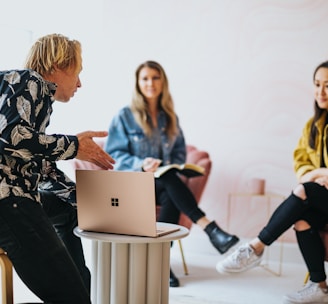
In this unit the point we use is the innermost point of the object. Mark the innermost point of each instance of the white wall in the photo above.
(240, 73)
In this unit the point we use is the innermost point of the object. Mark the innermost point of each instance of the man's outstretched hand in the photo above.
(90, 151)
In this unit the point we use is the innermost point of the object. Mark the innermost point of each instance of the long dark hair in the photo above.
(317, 111)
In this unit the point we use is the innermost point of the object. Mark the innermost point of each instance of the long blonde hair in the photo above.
(54, 51)
(139, 105)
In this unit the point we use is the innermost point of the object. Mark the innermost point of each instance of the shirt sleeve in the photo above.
(56, 181)
(305, 158)
(25, 109)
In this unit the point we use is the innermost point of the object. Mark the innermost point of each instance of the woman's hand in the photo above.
(150, 164)
(313, 175)
(323, 181)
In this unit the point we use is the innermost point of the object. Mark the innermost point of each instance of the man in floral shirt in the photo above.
(35, 195)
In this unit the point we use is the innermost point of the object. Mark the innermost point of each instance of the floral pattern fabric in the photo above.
(27, 154)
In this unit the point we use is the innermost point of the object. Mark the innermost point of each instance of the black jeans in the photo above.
(39, 256)
(64, 219)
(174, 197)
(313, 210)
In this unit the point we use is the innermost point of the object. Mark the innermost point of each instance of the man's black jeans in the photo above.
(39, 256)
(64, 218)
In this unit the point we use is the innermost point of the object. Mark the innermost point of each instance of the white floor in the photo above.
(257, 286)
(204, 285)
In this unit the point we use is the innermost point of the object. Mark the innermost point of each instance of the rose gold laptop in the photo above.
(120, 202)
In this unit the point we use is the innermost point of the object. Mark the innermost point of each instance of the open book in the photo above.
(189, 170)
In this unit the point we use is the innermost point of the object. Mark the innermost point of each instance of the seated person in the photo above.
(306, 208)
(147, 134)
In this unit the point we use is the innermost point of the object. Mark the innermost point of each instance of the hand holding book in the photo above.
(151, 164)
(189, 170)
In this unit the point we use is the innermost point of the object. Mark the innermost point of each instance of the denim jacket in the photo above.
(129, 146)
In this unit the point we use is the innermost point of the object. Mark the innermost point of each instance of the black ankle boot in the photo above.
(220, 239)
(174, 282)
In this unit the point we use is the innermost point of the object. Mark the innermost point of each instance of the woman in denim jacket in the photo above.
(147, 134)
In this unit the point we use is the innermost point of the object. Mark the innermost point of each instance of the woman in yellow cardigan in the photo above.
(306, 208)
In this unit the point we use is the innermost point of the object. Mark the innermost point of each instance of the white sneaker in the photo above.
(311, 293)
(240, 260)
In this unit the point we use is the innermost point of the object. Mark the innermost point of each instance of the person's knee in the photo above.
(301, 225)
(299, 191)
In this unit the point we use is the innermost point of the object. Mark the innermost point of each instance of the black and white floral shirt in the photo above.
(27, 153)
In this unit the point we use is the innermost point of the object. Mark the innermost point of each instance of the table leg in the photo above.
(154, 270)
(104, 271)
(94, 270)
(130, 273)
(137, 276)
(165, 271)
(120, 273)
